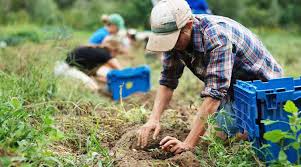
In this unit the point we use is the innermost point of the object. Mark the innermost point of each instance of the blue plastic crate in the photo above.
(244, 108)
(256, 101)
(122, 83)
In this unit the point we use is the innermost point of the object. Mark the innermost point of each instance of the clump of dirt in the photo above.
(5, 153)
(2, 67)
(143, 99)
(127, 153)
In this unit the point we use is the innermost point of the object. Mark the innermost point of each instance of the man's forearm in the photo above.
(208, 107)
(114, 63)
(163, 98)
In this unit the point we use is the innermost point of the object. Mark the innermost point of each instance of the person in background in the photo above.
(112, 25)
(83, 61)
(199, 6)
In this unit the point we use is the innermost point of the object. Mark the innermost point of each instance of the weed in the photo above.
(26, 132)
(278, 136)
(216, 152)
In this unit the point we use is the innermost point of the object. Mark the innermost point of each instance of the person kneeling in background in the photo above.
(85, 61)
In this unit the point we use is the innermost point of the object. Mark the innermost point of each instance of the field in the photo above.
(49, 121)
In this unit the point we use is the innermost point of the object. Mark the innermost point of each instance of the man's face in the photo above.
(112, 28)
(184, 38)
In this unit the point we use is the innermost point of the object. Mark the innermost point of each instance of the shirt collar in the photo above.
(197, 36)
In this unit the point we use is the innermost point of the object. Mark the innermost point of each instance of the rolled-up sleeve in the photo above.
(220, 66)
(172, 70)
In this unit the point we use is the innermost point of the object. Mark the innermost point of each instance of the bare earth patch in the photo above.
(126, 153)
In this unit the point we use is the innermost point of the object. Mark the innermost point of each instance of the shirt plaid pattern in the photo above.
(222, 51)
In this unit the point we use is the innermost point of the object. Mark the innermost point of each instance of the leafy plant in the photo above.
(225, 153)
(26, 130)
(277, 136)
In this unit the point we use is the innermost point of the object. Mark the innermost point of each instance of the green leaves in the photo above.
(15, 103)
(274, 136)
(296, 145)
(26, 119)
(290, 107)
(282, 156)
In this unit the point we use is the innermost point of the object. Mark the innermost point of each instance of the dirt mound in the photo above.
(127, 153)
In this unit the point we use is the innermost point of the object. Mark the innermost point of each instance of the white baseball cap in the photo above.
(167, 19)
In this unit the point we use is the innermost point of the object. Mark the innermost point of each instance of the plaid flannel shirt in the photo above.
(222, 51)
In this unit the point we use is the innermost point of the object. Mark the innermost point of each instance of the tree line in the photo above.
(85, 14)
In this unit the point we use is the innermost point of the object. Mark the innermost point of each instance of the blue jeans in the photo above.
(225, 119)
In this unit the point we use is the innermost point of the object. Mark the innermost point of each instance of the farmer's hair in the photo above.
(104, 19)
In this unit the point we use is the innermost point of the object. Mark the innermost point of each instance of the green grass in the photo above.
(52, 121)
(285, 46)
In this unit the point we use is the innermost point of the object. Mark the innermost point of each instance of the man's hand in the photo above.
(144, 131)
(174, 145)
(163, 97)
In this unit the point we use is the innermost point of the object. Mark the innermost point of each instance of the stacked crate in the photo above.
(256, 101)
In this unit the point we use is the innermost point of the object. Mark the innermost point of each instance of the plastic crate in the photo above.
(256, 101)
(122, 83)
(245, 108)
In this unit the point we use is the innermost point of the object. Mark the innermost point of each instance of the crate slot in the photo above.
(298, 88)
(280, 90)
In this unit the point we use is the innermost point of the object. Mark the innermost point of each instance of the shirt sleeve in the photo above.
(219, 69)
(98, 37)
(172, 70)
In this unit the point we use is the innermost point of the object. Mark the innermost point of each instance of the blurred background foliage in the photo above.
(85, 14)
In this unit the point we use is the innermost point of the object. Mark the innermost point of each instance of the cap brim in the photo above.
(162, 42)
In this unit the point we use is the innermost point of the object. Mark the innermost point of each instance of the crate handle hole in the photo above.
(280, 90)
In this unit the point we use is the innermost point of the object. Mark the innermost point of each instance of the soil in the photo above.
(126, 153)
